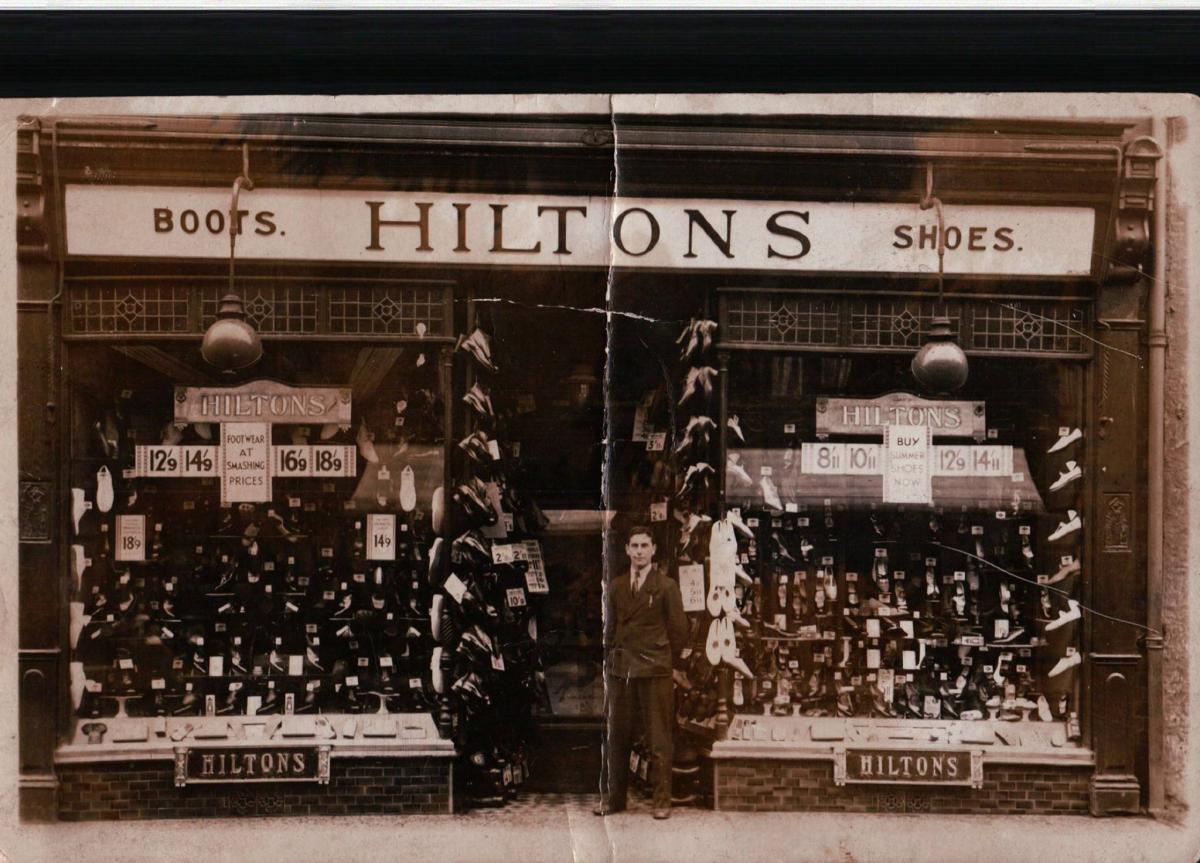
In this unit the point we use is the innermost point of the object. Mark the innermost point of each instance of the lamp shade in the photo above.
(230, 343)
(940, 365)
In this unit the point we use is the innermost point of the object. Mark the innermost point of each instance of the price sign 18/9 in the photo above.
(131, 538)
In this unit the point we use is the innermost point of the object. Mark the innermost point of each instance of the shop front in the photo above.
(330, 499)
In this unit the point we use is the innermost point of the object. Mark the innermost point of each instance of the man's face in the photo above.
(640, 549)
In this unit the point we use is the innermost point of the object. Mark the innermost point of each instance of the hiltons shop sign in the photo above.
(578, 231)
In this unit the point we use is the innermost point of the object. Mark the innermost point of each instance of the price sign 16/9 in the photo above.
(292, 460)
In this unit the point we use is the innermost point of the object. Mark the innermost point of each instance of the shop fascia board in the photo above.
(904, 137)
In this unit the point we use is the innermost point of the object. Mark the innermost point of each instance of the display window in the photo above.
(860, 599)
(266, 566)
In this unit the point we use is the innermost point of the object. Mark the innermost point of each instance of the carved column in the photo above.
(1115, 537)
(41, 583)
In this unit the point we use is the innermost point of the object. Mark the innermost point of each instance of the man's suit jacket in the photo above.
(643, 631)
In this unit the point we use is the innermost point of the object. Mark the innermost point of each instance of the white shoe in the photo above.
(78, 562)
(770, 494)
(171, 434)
(1065, 663)
(712, 644)
(408, 489)
(736, 427)
(740, 526)
(1072, 524)
(1043, 709)
(714, 602)
(104, 489)
(1071, 474)
(366, 446)
(1066, 440)
(435, 671)
(1064, 617)
(1064, 572)
(204, 430)
(79, 505)
(736, 617)
(732, 468)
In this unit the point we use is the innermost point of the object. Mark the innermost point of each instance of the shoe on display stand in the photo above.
(1064, 572)
(79, 505)
(1067, 615)
(1065, 439)
(734, 469)
(1065, 528)
(104, 489)
(735, 426)
(1072, 473)
(366, 446)
(1067, 662)
(770, 494)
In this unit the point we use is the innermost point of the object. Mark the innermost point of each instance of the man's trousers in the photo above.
(624, 699)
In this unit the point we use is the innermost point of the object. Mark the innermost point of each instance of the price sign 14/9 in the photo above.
(381, 536)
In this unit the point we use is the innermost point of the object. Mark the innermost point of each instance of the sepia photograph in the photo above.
(482, 477)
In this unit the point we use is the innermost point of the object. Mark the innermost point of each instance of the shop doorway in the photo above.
(554, 376)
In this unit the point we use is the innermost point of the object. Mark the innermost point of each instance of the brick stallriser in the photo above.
(134, 791)
(807, 786)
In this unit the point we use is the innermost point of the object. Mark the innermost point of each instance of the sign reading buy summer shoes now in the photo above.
(577, 231)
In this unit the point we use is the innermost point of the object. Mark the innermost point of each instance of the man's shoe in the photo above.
(1066, 440)
(662, 814)
(603, 809)
(1072, 473)
(1064, 528)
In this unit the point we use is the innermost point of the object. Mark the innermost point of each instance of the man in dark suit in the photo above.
(644, 630)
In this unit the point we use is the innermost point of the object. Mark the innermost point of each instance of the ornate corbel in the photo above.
(33, 239)
(1131, 247)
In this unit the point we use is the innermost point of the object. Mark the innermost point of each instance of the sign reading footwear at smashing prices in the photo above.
(577, 231)
(245, 462)
(264, 401)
